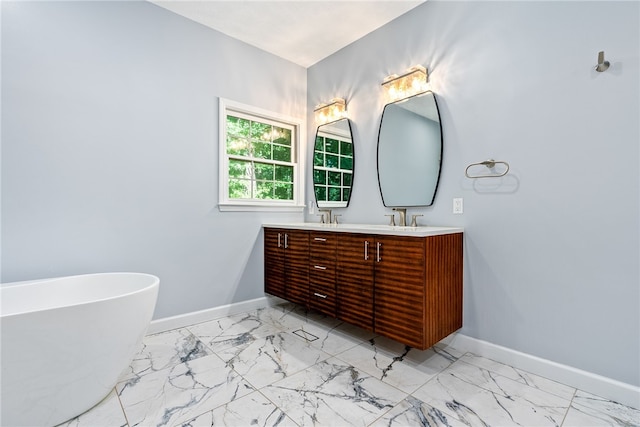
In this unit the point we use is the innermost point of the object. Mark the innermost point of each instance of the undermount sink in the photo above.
(395, 230)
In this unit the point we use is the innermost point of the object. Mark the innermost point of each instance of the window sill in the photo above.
(253, 207)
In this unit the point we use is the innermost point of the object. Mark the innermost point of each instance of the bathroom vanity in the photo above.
(404, 283)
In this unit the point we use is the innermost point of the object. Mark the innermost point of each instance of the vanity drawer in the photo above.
(322, 245)
(323, 270)
(322, 299)
(322, 287)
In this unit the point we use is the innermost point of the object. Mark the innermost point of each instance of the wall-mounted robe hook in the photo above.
(602, 64)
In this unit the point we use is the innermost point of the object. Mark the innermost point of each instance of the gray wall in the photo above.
(552, 249)
(110, 148)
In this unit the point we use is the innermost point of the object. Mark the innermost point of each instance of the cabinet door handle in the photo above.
(378, 257)
(319, 267)
(286, 237)
(279, 240)
(320, 239)
(366, 250)
(319, 295)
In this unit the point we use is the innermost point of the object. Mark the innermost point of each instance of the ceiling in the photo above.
(301, 31)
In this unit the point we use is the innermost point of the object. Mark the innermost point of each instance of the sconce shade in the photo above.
(410, 83)
(335, 109)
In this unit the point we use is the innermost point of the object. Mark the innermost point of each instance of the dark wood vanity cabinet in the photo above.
(286, 264)
(405, 288)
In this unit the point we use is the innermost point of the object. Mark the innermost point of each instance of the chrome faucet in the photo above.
(403, 216)
(328, 216)
(392, 220)
(414, 220)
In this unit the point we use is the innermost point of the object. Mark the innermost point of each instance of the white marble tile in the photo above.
(413, 412)
(496, 383)
(333, 393)
(251, 410)
(591, 410)
(232, 331)
(475, 375)
(180, 393)
(283, 316)
(176, 380)
(164, 350)
(397, 364)
(290, 317)
(333, 335)
(323, 319)
(334, 339)
(490, 365)
(272, 358)
(545, 384)
(107, 413)
(586, 417)
(514, 404)
(519, 375)
(450, 353)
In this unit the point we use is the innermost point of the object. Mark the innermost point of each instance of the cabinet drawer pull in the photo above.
(319, 295)
(319, 267)
(279, 240)
(286, 237)
(320, 239)
(378, 257)
(366, 250)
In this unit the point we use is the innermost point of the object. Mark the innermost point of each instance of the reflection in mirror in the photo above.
(410, 151)
(333, 164)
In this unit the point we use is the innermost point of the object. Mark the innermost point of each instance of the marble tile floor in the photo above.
(287, 367)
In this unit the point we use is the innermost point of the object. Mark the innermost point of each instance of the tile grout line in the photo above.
(575, 391)
(124, 413)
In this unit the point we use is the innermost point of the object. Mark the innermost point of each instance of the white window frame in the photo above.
(298, 157)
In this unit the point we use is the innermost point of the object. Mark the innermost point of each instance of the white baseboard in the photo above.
(182, 320)
(599, 385)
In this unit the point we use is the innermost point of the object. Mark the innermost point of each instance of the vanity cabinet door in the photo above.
(274, 282)
(297, 266)
(418, 288)
(286, 264)
(322, 272)
(399, 291)
(354, 279)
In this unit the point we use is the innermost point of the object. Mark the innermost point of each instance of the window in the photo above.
(259, 159)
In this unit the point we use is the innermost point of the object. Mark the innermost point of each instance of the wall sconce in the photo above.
(411, 82)
(335, 109)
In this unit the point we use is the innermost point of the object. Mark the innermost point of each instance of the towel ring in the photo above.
(490, 164)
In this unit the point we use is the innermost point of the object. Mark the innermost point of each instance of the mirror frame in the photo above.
(325, 203)
(437, 183)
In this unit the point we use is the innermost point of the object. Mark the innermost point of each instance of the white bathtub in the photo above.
(65, 341)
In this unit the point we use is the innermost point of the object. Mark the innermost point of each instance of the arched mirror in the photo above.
(333, 164)
(410, 151)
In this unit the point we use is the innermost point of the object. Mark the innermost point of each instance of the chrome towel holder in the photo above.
(490, 164)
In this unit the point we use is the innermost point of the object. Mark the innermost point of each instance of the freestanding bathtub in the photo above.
(65, 341)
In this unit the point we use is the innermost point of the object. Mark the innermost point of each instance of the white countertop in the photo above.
(395, 230)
